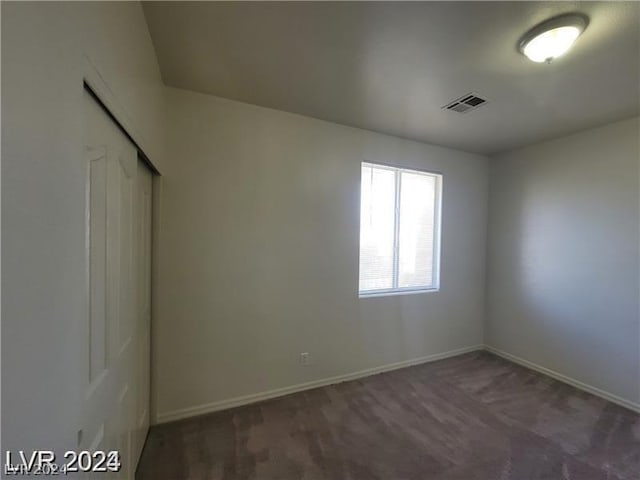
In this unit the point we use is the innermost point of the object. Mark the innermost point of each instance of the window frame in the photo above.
(437, 233)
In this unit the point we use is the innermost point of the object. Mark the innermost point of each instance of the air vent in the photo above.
(465, 103)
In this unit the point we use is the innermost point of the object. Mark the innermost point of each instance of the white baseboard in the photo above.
(564, 378)
(278, 392)
(196, 410)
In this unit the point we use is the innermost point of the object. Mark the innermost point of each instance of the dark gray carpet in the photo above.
(472, 417)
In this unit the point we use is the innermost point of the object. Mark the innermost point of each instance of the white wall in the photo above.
(563, 257)
(257, 238)
(259, 242)
(44, 264)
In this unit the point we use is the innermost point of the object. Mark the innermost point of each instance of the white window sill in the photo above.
(389, 293)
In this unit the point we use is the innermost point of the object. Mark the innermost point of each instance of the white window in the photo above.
(399, 230)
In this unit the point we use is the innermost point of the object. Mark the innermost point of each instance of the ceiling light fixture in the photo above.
(552, 38)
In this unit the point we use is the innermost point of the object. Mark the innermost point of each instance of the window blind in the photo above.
(399, 229)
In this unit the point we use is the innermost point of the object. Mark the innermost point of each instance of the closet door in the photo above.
(111, 392)
(143, 324)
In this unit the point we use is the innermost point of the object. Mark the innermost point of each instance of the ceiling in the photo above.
(390, 67)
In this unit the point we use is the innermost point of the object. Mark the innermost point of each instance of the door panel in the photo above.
(125, 431)
(116, 354)
(143, 324)
(97, 265)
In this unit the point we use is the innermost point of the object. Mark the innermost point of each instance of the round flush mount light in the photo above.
(552, 38)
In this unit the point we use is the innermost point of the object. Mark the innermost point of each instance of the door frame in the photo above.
(95, 84)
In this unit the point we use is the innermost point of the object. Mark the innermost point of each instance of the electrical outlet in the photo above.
(304, 358)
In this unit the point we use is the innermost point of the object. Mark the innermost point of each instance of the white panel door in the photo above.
(143, 325)
(111, 376)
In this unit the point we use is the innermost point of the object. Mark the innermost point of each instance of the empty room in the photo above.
(320, 240)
